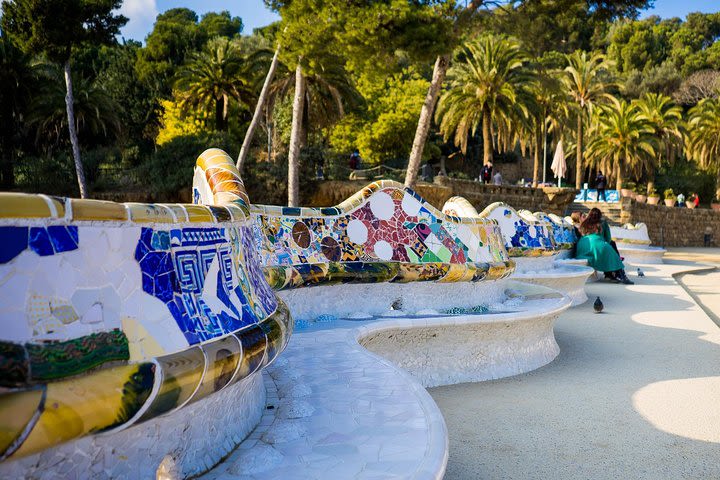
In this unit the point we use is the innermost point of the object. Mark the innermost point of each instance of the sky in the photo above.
(142, 13)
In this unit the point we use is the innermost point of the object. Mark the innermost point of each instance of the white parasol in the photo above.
(559, 167)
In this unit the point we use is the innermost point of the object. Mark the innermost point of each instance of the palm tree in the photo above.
(547, 96)
(666, 119)
(95, 113)
(703, 136)
(319, 99)
(584, 85)
(623, 136)
(485, 86)
(221, 72)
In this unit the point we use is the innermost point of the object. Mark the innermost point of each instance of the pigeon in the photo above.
(641, 273)
(598, 305)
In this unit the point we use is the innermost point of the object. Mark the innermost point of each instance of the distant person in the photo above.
(426, 172)
(319, 173)
(681, 200)
(600, 184)
(696, 200)
(497, 178)
(486, 173)
(354, 160)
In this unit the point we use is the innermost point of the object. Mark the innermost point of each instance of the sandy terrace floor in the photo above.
(634, 393)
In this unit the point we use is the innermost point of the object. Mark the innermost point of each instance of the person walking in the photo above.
(486, 173)
(497, 178)
(600, 184)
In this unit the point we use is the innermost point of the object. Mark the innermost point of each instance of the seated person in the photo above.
(594, 247)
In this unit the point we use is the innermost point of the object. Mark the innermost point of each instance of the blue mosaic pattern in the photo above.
(44, 241)
(192, 271)
(564, 235)
(529, 236)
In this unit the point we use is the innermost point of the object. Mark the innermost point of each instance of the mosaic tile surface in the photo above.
(384, 233)
(114, 313)
(524, 234)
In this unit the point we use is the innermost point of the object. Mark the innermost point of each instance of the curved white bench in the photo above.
(633, 242)
(359, 412)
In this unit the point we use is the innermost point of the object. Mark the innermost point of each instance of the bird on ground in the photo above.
(640, 273)
(598, 305)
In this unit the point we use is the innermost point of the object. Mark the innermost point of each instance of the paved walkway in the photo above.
(634, 393)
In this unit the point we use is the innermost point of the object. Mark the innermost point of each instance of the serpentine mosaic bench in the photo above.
(633, 243)
(535, 242)
(135, 334)
(125, 315)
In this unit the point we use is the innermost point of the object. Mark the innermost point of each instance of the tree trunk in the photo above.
(295, 134)
(619, 179)
(579, 152)
(536, 163)
(258, 111)
(226, 106)
(69, 101)
(219, 108)
(487, 137)
(651, 181)
(423, 127)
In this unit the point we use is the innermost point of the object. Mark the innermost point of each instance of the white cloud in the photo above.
(141, 15)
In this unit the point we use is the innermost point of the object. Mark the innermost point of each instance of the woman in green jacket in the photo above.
(594, 246)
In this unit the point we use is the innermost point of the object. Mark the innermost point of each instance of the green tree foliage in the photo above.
(210, 80)
(485, 86)
(667, 123)
(53, 28)
(96, 113)
(622, 140)
(17, 80)
(221, 24)
(584, 84)
(383, 131)
(174, 36)
(559, 25)
(703, 140)
(135, 98)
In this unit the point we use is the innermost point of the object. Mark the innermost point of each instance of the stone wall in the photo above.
(549, 200)
(671, 226)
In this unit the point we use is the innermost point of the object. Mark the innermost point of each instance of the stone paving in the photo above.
(634, 393)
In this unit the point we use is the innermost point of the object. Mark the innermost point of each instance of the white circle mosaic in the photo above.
(383, 250)
(411, 205)
(357, 231)
(382, 206)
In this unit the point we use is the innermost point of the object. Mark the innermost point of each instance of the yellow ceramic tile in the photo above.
(214, 157)
(17, 410)
(178, 210)
(199, 214)
(83, 209)
(23, 205)
(223, 357)
(148, 213)
(76, 407)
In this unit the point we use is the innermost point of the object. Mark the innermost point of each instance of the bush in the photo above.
(53, 175)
